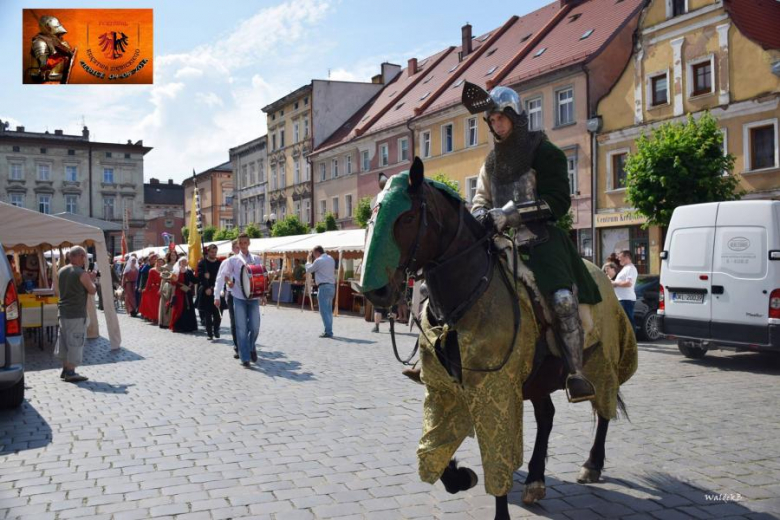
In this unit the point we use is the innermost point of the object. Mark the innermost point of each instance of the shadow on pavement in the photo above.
(342, 339)
(753, 362)
(23, 429)
(656, 492)
(96, 352)
(275, 364)
(104, 388)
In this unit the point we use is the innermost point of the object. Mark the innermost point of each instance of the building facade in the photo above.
(163, 211)
(57, 172)
(215, 187)
(691, 56)
(249, 162)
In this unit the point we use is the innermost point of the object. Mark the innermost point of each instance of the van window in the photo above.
(691, 249)
(741, 251)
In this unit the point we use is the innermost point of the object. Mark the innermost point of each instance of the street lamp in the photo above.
(270, 220)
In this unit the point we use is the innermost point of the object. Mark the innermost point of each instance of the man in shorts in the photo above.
(75, 285)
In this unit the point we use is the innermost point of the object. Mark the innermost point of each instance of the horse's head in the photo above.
(405, 233)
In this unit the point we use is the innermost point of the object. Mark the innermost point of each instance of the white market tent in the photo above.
(30, 230)
(342, 241)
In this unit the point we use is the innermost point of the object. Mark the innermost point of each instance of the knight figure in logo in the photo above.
(523, 186)
(51, 56)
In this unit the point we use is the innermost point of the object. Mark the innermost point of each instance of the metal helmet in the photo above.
(51, 25)
(503, 98)
(476, 100)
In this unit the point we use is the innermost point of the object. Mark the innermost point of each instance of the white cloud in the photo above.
(188, 73)
(210, 99)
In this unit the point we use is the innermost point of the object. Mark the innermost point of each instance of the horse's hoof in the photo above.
(534, 492)
(588, 476)
(473, 478)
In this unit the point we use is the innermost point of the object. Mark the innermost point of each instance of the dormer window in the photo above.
(586, 34)
(492, 70)
(574, 17)
(540, 52)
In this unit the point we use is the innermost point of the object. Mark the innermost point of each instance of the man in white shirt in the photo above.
(323, 267)
(624, 284)
(246, 312)
(229, 297)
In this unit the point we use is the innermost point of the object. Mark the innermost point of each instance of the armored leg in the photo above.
(571, 339)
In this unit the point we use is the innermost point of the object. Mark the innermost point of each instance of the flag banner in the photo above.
(87, 46)
(195, 240)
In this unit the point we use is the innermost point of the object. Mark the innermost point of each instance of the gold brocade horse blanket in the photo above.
(490, 404)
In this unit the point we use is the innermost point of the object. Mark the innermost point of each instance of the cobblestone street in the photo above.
(173, 427)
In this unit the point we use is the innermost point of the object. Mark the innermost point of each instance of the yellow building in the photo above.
(691, 56)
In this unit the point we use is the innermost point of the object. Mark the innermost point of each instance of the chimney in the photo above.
(85, 133)
(140, 142)
(411, 67)
(465, 37)
(377, 79)
(129, 141)
(170, 181)
(389, 72)
(58, 132)
(20, 129)
(154, 181)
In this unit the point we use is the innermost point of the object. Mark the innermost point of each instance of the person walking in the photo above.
(227, 297)
(75, 285)
(129, 279)
(150, 300)
(624, 284)
(323, 267)
(246, 311)
(166, 290)
(183, 311)
(207, 277)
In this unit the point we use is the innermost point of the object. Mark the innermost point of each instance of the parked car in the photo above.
(11, 342)
(646, 321)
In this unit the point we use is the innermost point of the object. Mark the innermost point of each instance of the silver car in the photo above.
(11, 343)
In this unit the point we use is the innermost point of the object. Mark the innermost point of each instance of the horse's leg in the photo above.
(502, 508)
(591, 470)
(534, 488)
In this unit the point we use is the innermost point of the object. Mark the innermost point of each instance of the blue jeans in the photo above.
(247, 315)
(628, 306)
(325, 295)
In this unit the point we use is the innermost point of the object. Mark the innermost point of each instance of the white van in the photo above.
(720, 277)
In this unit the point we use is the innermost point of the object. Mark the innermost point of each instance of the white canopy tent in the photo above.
(24, 229)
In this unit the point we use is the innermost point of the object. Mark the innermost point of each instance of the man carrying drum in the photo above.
(246, 308)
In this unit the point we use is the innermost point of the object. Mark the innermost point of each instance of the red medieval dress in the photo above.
(129, 278)
(150, 298)
(183, 311)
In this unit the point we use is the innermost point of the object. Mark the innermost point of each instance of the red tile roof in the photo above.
(759, 20)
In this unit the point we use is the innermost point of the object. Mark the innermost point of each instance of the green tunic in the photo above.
(555, 263)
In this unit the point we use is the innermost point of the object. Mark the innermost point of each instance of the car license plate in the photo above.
(688, 297)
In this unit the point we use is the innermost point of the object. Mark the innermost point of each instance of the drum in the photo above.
(254, 280)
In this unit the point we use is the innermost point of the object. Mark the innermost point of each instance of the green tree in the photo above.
(330, 222)
(220, 234)
(440, 177)
(679, 164)
(291, 225)
(208, 234)
(320, 227)
(566, 222)
(253, 231)
(185, 233)
(363, 212)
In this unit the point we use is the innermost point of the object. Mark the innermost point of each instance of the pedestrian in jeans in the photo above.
(229, 297)
(75, 284)
(246, 312)
(323, 267)
(624, 284)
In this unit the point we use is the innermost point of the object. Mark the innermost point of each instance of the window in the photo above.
(534, 109)
(586, 34)
(273, 141)
(16, 171)
(336, 207)
(70, 152)
(108, 155)
(365, 161)
(305, 101)
(43, 150)
(44, 204)
(384, 155)
(261, 171)
(252, 175)
(471, 189)
(564, 112)
(282, 176)
(244, 176)
(108, 175)
(348, 164)
(71, 173)
(334, 168)
(295, 106)
(108, 208)
(72, 203)
(281, 138)
(425, 143)
(616, 164)
(348, 205)
(571, 168)
(297, 209)
(305, 127)
(306, 170)
(659, 90)
(701, 74)
(16, 149)
(322, 172)
(761, 145)
(491, 70)
(273, 178)
(297, 174)
(540, 52)
(17, 199)
(471, 131)
(403, 149)
(44, 172)
(127, 156)
(678, 7)
(446, 138)
(296, 132)
(323, 209)
(306, 211)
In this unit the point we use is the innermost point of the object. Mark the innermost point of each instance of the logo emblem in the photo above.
(113, 44)
(738, 244)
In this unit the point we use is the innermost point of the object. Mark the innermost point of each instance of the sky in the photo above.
(218, 62)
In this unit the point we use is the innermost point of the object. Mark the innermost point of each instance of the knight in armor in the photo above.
(50, 54)
(524, 186)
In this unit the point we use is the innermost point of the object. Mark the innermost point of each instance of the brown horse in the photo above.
(479, 359)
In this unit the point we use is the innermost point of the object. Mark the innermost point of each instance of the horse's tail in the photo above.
(622, 410)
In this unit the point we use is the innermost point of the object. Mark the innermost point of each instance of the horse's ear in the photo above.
(416, 174)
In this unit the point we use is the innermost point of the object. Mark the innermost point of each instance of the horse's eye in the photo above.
(408, 219)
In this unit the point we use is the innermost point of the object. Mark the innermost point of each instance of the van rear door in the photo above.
(685, 273)
(740, 277)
